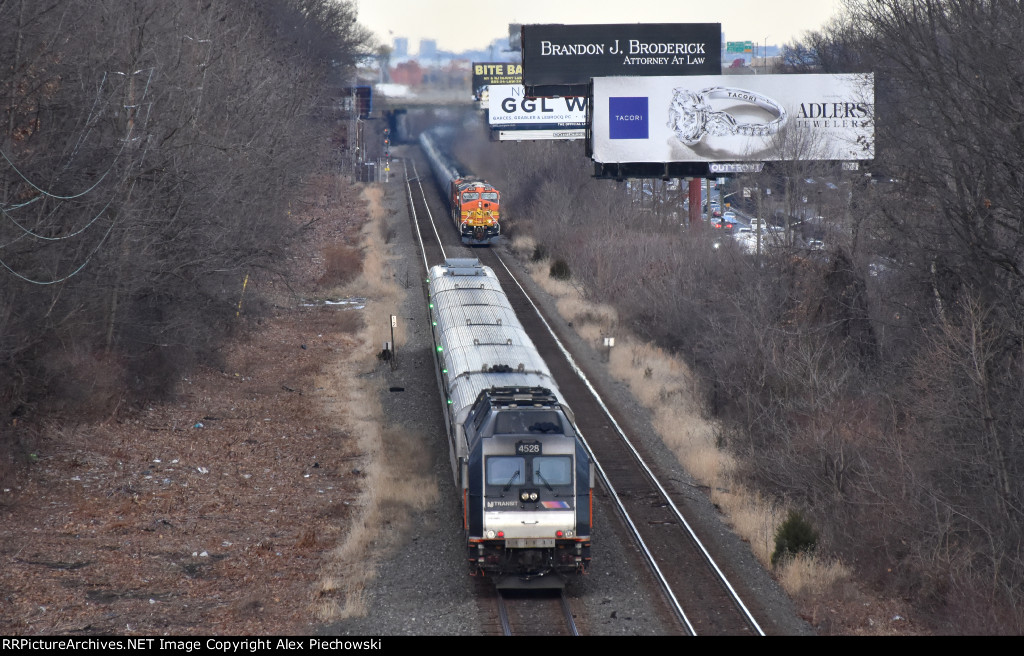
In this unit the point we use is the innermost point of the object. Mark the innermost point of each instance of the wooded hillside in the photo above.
(150, 151)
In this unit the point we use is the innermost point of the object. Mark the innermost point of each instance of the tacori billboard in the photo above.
(568, 55)
(716, 118)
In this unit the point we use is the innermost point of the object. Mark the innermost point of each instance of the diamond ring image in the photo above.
(691, 116)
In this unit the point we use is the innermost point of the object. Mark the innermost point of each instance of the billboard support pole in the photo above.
(707, 192)
(694, 191)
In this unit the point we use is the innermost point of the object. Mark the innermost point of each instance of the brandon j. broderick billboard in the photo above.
(570, 55)
(716, 118)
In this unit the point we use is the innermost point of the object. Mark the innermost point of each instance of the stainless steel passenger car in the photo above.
(525, 475)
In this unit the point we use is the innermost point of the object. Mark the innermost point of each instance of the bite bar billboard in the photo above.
(570, 55)
(488, 73)
(718, 118)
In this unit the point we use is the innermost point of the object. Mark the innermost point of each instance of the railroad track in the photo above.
(535, 613)
(695, 587)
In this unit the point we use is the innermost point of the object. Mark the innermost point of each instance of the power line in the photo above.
(124, 143)
(70, 275)
(29, 232)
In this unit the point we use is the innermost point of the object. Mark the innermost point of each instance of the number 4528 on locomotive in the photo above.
(525, 475)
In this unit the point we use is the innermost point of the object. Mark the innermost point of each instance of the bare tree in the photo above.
(150, 150)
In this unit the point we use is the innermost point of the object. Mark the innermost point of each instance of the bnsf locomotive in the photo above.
(475, 205)
(525, 476)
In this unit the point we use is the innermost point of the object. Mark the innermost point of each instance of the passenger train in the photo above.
(525, 476)
(473, 203)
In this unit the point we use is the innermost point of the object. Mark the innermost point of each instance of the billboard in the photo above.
(718, 118)
(510, 106)
(358, 99)
(487, 73)
(560, 56)
(559, 134)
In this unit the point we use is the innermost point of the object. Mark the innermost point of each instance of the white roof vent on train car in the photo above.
(463, 266)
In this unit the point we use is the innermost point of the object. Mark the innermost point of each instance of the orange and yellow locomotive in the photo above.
(474, 203)
(475, 206)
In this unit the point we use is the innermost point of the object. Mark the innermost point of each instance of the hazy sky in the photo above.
(472, 24)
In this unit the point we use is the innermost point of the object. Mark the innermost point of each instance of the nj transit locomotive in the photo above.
(474, 204)
(525, 476)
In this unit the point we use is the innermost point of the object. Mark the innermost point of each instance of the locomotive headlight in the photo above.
(534, 496)
(524, 496)
(490, 535)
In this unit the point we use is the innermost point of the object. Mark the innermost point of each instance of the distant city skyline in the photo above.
(455, 28)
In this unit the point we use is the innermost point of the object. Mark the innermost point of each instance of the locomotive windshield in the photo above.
(547, 471)
(526, 422)
(552, 470)
(470, 195)
(490, 195)
(506, 470)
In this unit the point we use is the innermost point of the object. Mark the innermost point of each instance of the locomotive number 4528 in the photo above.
(528, 448)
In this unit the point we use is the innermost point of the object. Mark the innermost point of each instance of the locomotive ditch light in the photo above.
(490, 535)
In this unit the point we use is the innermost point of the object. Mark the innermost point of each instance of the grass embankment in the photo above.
(394, 460)
(666, 387)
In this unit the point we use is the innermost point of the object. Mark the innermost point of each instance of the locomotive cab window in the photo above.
(532, 422)
(490, 195)
(506, 470)
(470, 195)
(479, 413)
(546, 471)
(552, 470)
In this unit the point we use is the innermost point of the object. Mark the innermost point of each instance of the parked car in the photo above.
(758, 224)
